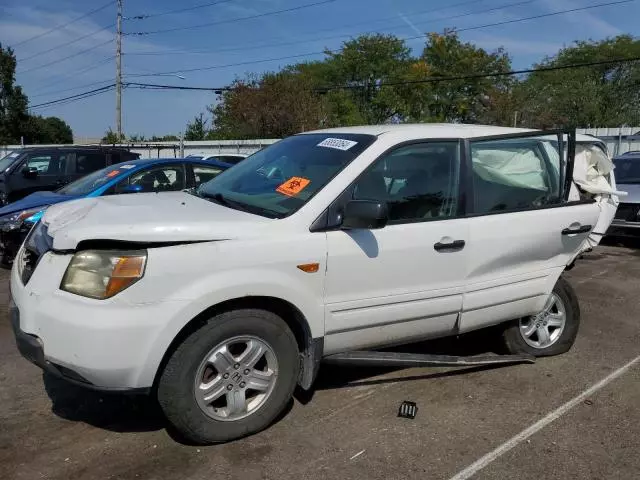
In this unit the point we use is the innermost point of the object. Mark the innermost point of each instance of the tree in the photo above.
(466, 100)
(13, 102)
(49, 130)
(604, 95)
(111, 137)
(164, 138)
(196, 130)
(273, 106)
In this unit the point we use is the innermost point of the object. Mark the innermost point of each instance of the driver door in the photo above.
(405, 281)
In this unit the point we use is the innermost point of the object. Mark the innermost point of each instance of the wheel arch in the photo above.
(310, 349)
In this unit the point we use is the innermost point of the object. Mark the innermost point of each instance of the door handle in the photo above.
(454, 246)
(573, 231)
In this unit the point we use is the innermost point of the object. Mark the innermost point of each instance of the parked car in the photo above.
(35, 169)
(627, 220)
(232, 158)
(327, 242)
(150, 175)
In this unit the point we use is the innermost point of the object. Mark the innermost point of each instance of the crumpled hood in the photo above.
(147, 217)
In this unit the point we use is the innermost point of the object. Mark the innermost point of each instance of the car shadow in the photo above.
(116, 412)
(122, 413)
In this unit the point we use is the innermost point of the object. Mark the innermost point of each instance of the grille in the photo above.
(628, 212)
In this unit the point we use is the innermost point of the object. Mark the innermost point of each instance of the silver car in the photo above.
(627, 219)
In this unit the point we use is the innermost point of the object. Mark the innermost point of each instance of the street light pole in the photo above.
(119, 71)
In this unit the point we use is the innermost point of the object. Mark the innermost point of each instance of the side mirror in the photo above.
(131, 189)
(367, 214)
(29, 172)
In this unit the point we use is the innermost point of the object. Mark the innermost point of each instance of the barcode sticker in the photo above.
(337, 143)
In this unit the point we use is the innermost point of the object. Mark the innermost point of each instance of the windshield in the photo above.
(8, 160)
(627, 170)
(277, 181)
(91, 182)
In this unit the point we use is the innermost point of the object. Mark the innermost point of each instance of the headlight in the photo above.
(103, 274)
(31, 215)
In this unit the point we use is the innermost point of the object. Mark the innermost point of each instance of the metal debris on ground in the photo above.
(408, 410)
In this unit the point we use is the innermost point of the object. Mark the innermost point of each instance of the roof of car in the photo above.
(71, 147)
(436, 130)
(141, 162)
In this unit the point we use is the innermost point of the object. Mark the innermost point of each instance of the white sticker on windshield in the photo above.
(127, 166)
(337, 143)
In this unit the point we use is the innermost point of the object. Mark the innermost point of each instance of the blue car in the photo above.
(137, 176)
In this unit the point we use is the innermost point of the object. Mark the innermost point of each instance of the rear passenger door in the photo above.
(522, 230)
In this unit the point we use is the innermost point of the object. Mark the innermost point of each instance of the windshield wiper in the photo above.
(226, 202)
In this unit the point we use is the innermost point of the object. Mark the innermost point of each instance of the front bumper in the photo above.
(108, 344)
(32, 348)
(10, 241)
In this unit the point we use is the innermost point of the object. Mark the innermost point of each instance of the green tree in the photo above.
(14, 118)
(604, 95)
(196, 130)
(111, 137)
(164, 138)
(466, 100)
(49, 130)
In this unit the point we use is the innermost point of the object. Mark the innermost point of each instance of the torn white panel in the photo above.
(593, 177)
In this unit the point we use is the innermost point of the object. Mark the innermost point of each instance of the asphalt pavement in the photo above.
(537, 421)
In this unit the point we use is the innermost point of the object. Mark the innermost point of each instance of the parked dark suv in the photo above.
(29, 170)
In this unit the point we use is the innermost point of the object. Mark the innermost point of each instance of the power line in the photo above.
(81, 52)
(333, 37)
(74, 73)
(544, 15)
(233, 20)
(214, 67)
(106, 88)
(71, 42)
(476, 27)
(82, 95)
(178, 10)
(58, 27)
(71, 89)
(154, 86)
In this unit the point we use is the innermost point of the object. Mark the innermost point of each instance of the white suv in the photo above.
(323, 243)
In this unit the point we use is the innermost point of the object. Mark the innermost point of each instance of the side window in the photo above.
(48, 164)
(231, 160)
(203, 173)
(419, 182)
(165, 178)
(515, 174)
(90, 162)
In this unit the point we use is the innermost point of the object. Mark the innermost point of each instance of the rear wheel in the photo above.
(230, 378)
(550, 332)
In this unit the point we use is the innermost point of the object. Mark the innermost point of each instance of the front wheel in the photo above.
(550, 332)
(230, 378)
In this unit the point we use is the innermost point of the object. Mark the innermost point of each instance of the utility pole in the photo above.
(119, 71)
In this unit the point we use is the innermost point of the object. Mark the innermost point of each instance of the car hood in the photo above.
(148, 218)
(633, 192)
(37, 199)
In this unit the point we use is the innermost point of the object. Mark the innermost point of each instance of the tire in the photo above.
(514, 336)
(181, 382)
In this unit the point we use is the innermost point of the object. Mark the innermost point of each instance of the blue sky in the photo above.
(48, 76)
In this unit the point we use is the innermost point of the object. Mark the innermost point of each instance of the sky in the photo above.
(80, 56)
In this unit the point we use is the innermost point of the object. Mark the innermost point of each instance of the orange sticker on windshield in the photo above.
(293, 186)
(113, 173)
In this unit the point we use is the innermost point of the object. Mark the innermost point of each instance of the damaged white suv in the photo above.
(221, 301)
